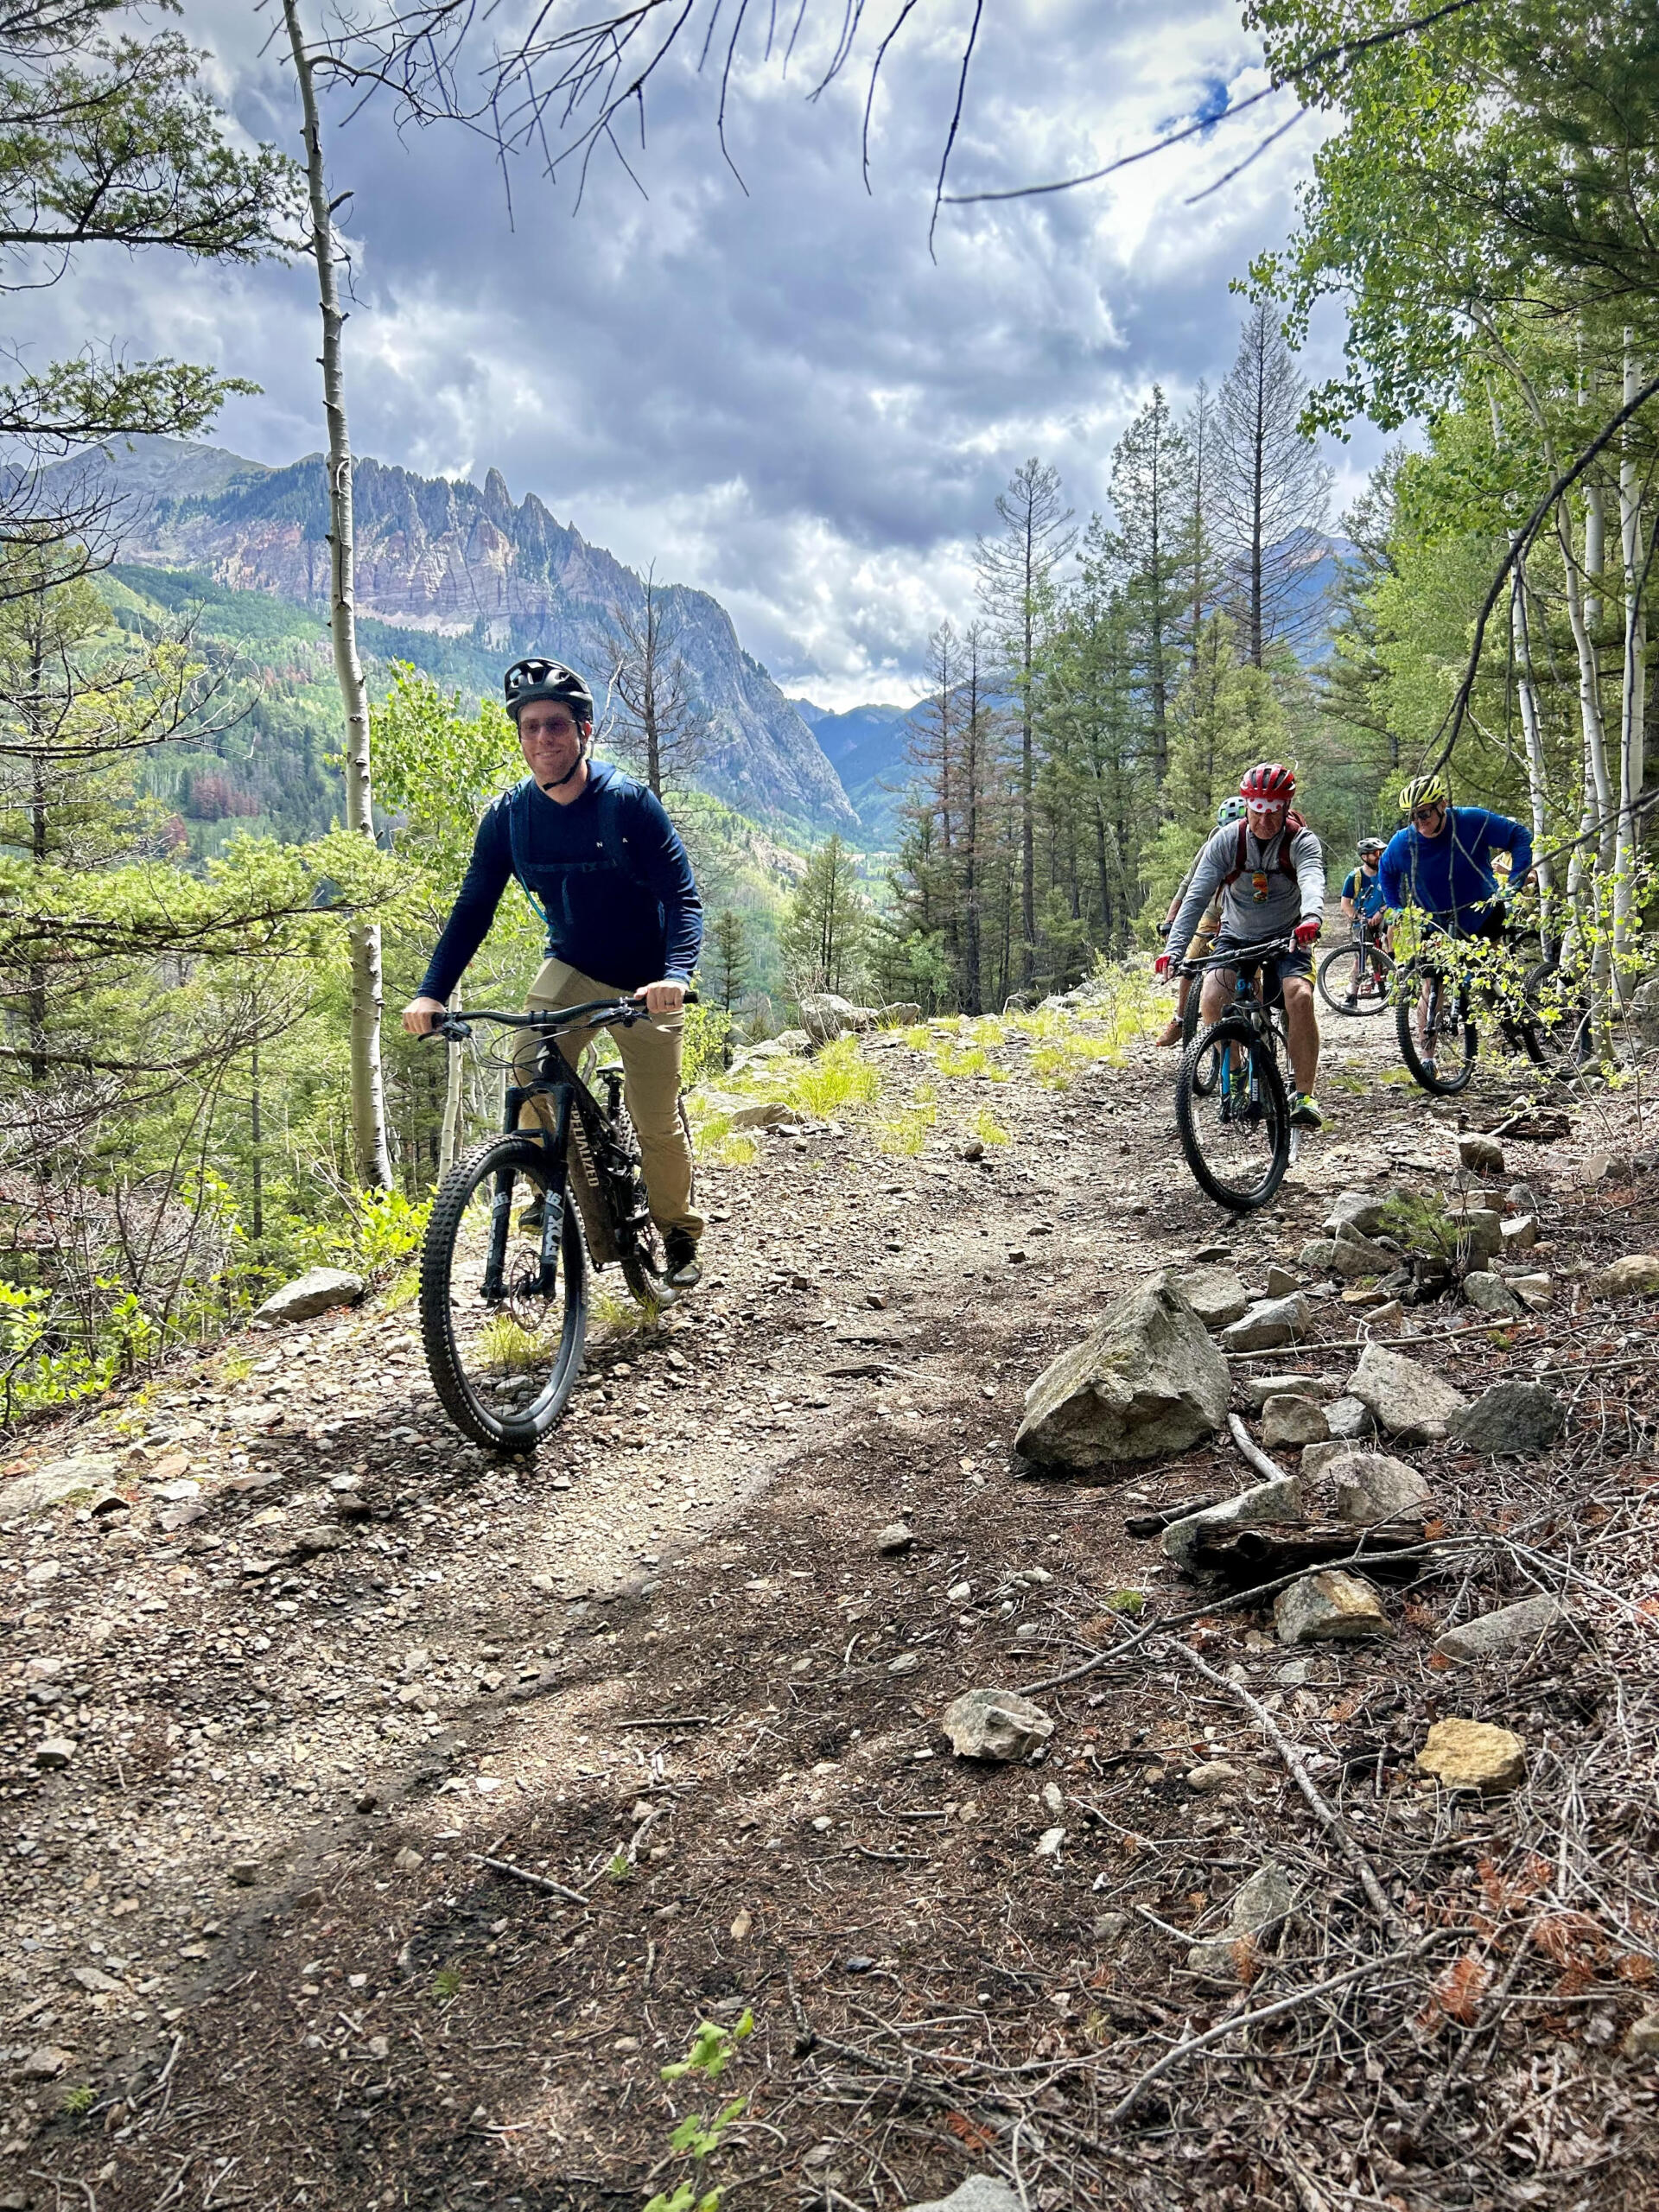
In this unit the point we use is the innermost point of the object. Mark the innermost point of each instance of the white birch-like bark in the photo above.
(370, 1155)
(1527, 696)
(1633, 702)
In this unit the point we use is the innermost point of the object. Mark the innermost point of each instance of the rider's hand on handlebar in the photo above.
(1305, 933)
(423, 1014)
(1161, 966)
(666, 997)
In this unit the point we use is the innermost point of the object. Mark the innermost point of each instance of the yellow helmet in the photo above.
(1422, 791)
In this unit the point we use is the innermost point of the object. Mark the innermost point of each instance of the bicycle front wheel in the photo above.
(1237, 1136)
(1206, 1072)
(1355, 981)
(1445, 1062)
(503, 1326)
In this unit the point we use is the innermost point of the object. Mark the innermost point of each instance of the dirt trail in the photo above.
(322, 1657)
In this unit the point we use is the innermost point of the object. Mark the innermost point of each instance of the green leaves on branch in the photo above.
(698, 2136)
(80, 401)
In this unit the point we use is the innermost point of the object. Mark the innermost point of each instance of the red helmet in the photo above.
(1267, 781)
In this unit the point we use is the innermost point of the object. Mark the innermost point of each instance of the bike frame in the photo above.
(554, 1078)
(1247, 961)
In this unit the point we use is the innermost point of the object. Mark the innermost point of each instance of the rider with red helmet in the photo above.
(1270, 871)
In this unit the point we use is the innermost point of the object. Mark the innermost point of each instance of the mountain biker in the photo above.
(1441, 863)
(601, 863)
(1270, 871)
(1361, 899)
(1231, 810)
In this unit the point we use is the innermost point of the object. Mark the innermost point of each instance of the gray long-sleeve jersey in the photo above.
(1288, 899)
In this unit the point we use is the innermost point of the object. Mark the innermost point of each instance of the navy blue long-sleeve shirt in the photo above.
(607, 874)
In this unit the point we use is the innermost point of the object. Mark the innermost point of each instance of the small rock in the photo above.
(1258, 1904)
(906, 1663)
(742, 1923)
(1471, 1755)
(1510, 1420)
(1049, 1843)
(1328, 1607)
(316, 1291)
(1280, 1283)
(1642, 2037)
(1355, 1255)
(1520, 1234)
(1318, 1256)
(979, 2193)
(1385, 1316)
(54, 1752)
(45, 2063)
(1484, 1155)
(1214, 1775)
(1316, 1458)
(1258, 1388)
(1289, 1420)
(974, 1150)
(991, 1724)
(1636, 1276)
(244, 1872)
(1216, 1294)
(1409, 1401)
(1109, 1927)
(407, 1859)
(959, 1593)
(1270, 1322)
(1373, 1486)
(1536, 1293)
(1509, 1629)
(1490, 1293)
(1280, 1500)
(1054, 1798)
(1350, 1418)
(894, 1538)
(1355, 1209)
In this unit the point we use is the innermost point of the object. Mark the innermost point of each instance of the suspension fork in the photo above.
(519, 1096)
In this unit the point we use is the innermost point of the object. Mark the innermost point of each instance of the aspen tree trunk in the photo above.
(370, 1155)
(1633, 705)
(1521, 653)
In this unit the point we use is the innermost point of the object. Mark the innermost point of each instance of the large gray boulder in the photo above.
(84, 1475)
(825, 1016)
(1146, 1383)
(1356, 1210)
(315, 1292)
(1409, 1401)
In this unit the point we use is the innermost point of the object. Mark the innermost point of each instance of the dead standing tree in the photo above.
(371, 1160)
(660, 726)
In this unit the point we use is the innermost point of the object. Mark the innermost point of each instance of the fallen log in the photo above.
(1241, 1556)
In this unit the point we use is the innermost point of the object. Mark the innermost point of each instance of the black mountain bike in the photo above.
(503, 1301)
(1358, 978)
(1443, 1062)
(1232, 1109)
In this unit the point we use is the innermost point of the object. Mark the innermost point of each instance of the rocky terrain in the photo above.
(463, 560)
(382, 1819)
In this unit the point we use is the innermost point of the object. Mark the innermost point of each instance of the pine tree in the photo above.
(1271, 492)
(1151, 467)
(825, 932)
(729, 952)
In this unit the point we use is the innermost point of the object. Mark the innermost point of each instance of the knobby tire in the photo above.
(1444, 1082)
(1271, 1110)
(451, 1365)
(1346, 967)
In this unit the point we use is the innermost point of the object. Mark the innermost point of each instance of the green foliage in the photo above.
(79, 2100)
(825, 937)
(705, 1044)
(445, 1984)
(697, 2136)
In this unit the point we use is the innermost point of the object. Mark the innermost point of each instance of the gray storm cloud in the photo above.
(773, 393)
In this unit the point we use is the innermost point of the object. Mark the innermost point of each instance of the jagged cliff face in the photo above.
(464, 560)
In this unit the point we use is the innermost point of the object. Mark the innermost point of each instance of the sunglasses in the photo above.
(1428, 813)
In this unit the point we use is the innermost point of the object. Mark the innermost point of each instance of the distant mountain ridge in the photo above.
(866, 747)
(461, 559)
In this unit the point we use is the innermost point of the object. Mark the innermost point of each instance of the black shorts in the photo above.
(1299, 961)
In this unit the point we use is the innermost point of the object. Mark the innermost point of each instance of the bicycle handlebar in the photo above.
(456, 1027)
(1239, 956)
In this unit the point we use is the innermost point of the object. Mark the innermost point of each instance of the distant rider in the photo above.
(604, 867)
(1270, 872)
(1231, 810)
(1363, 902)
(1441, 863)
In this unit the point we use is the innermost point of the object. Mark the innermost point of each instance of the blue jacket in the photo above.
(1366, 893)
(1451, 876)
(607, 874)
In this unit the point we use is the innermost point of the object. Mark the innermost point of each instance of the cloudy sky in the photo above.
(773, 392)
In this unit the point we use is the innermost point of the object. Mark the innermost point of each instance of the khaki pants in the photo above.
(651, 1087)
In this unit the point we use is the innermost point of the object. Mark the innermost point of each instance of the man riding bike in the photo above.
(601, 863)
(1362, 903)
(1441, 863)
(1231, 810)
(1270, 871)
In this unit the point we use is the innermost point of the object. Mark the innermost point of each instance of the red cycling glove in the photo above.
(1160, 965)
(1306, 931)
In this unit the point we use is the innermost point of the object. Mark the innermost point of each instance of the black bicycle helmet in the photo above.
(539, 678)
